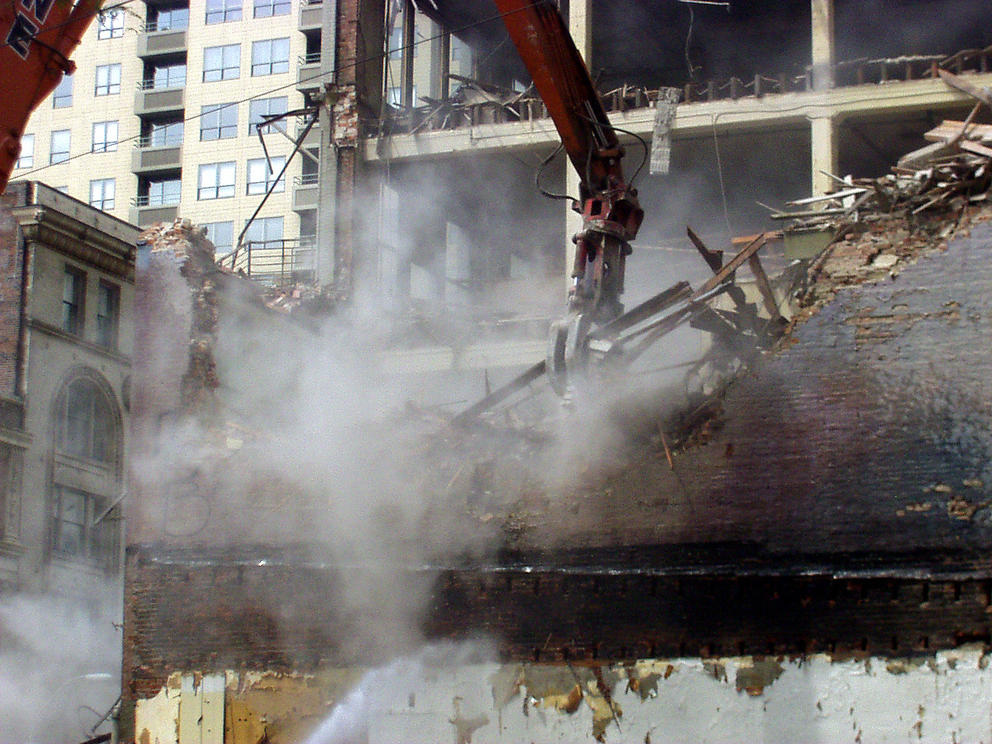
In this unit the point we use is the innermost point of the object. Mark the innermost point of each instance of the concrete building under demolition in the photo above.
(783, 537)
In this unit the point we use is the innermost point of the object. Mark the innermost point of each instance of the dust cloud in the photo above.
(59, 667)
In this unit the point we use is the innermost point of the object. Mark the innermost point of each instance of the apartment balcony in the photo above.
(308, 72)
(154, 43)
(306, 190)
(147, 157)
(145, 211)
(152, 100)
(312, 140)
(274, 261)
(310, 12)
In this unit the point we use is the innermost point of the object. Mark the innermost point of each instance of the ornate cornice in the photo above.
(85, 243)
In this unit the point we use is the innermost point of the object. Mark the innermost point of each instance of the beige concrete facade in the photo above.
(65, 476)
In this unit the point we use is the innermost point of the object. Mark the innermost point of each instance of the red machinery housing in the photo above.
(39, 36)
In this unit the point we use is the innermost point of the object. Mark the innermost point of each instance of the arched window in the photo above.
(87, 422)
(88, 426)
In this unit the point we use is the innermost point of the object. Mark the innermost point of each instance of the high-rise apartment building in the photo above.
(158, 120)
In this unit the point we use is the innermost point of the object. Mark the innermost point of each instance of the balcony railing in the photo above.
(152, 84)
(148, 141)
(152, 27)
(274, 261)
(157, 200)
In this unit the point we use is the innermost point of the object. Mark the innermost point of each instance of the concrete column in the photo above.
(580, 27)
(822, 14)
(823, 129)
(457, 266)
(823, 156)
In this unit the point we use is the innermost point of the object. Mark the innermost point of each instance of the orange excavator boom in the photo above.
(39, 36)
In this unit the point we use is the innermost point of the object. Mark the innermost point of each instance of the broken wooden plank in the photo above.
(714, 259)
(826, 197)
(500, 394)
(924, 154)
(982, 94)
(949, 128)
(807, 213)
(976, 148)
(764, 287)
(735, 263)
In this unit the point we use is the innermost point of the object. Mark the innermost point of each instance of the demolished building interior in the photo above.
(794, 471)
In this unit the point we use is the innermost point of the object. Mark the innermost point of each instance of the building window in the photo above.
(110, 24)
(166, 134)
(26, 158)
(264, 232)
(261, 176)
(102, 193)
(108, 308)
(264, 107)
(62, 95)
(105, 136)
(108, 80)
(221, 11)
(73, 297)
(396, 96)
(164, 192)
(218, 121)
(266, 8)
(216, 181)
(396, 42)
(269, 57)
(169, 76)
(86, 422)
(168, 19)
(221, 63)
(81, 530)
(221, 234)
(59, 152)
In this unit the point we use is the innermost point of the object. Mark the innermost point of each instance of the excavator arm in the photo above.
(39, 36)
(611, 214)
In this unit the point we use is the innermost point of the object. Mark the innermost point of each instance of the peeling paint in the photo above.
(941, 698)
(754, 678)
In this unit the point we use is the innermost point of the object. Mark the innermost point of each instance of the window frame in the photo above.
(160, 134)
(169, 188)
(108, 314)
(272, 6)
(223, 11)
(73, 300)
(115, 30)
(112, 85)
(254, 186)
(269, 66)
(263, 225)
(218, 185)
(225, 66)
(105, 144)
(104, 203)
(255, 114)
(25, 158)
(97, 542)
(62, 95)
(211, 229)
(212, 120)
(54, 156)
(170, 76)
